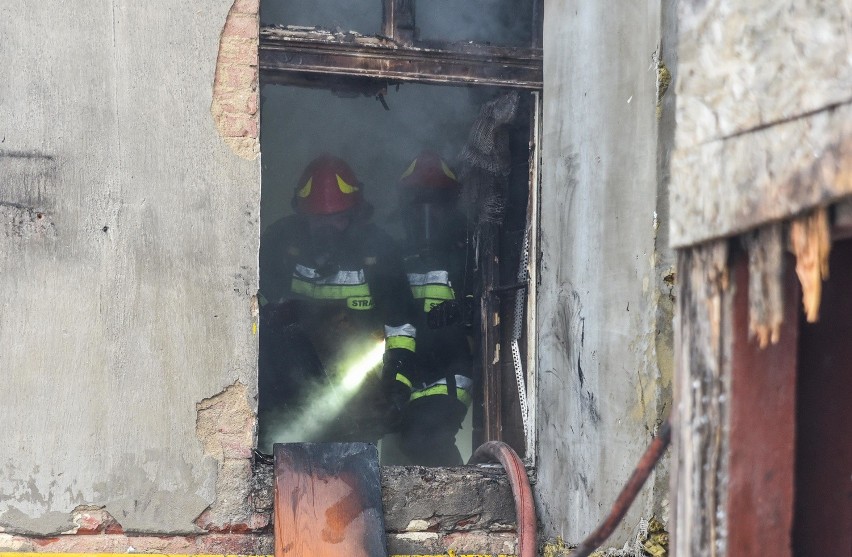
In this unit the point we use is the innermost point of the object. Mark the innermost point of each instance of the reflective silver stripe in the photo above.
(432, 277)
(337, 279)
(462, 382)
(407, 330)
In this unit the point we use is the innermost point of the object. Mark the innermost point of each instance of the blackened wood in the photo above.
(287, 53)
(328, 500)
(698, 473)
(490, 329)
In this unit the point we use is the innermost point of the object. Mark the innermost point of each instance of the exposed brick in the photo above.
(93, 520)
(238, 126)
(481, 542)
(236, 76)
(241, 25)
(233, 50)
(246, 147)
(238, 102)
(246, 6)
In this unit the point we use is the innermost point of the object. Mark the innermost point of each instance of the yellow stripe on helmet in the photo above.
(410, 170)
(344, 187)
(447, 171)
(306, 189)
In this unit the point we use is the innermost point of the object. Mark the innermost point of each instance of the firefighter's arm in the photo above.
(395, 305)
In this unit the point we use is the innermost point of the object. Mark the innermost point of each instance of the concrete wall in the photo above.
(604, 306)
(128, 263)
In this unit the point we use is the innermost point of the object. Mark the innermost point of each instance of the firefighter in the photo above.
(331, 286)
(435, 261)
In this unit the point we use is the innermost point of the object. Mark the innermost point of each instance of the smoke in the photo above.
(323, 402)
(361, 16)
(297, 124)
(498, 22)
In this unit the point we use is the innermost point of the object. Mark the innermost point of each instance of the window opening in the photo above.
(367, 100)
(359, 16)
(497, 22)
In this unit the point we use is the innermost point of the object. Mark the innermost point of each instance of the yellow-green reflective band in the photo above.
(360, 302)
(461, 394)
(429, 303)
(436, 291)
(329, 291)
(261, 299)
(403, 379)
(400, 341)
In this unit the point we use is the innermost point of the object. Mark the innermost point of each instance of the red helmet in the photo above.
(428, 177)
(326, 187)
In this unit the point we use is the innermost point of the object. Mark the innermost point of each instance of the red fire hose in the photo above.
(497, 451)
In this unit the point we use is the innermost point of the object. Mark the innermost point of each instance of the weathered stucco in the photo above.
(604, 298)
(764, 112)
(128, 262)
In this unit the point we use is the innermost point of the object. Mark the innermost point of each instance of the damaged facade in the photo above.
(685, 197)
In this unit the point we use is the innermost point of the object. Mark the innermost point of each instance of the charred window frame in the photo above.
(353, 63)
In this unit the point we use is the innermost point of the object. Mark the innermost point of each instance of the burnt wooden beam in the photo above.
(294, 53)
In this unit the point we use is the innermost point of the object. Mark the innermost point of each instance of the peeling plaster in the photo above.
(225, 425)
(235, 85)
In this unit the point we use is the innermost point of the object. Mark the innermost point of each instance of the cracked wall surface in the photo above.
(604, 298)
(128, 264)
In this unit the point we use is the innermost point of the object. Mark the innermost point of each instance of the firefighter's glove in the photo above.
(396, 373)
(277, 316)
(444, 314)
(450, 312)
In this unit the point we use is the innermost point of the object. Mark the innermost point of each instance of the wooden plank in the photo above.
(726, 187)
(328, 500)
(700, 389)
(743, 65)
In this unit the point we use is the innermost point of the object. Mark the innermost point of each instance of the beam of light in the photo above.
(357, 372)
(324, 404)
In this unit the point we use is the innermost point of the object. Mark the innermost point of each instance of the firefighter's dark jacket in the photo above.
(443, 353)
(361, 280)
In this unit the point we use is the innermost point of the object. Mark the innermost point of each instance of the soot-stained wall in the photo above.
(605, 305)
(128, 262)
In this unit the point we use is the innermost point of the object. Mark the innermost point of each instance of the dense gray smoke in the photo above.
(298, 124)
(498, 22)
(361, 16)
